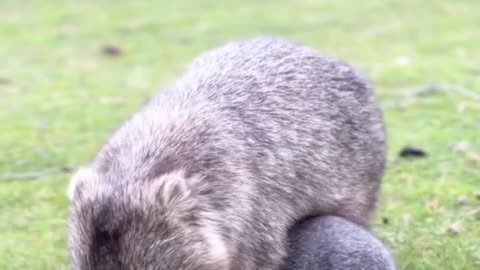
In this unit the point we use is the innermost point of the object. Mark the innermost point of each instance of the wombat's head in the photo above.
(153, 226)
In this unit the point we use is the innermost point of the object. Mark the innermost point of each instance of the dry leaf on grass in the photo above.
(455, 228)
(464, 147)
(433, 205)
(407, 220)
(461, 147)
(474, 158)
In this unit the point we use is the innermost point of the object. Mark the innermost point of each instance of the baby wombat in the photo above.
(211, 173)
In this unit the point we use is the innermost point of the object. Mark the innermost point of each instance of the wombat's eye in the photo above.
(106, 242)
(104, 236)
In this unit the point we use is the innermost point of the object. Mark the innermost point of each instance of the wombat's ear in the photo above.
(78, 180)
(171, 189)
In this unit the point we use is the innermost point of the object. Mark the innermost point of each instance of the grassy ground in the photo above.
(61, 97)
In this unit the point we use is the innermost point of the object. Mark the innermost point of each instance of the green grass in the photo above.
(60, 98)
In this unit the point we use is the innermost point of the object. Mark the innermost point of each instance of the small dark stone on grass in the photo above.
(5, 81)
(463, 201)
(147, 100)
(385, 220)
(112, 50)
(66, 169)
(412, 152)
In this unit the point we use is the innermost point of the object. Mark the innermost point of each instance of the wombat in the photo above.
(213, 171)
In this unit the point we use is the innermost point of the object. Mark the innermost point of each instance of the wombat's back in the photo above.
(302, 121)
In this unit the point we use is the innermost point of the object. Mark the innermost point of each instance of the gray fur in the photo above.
(212, 172)
(333, 243)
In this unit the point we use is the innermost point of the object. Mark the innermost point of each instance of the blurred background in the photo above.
(72, 71)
